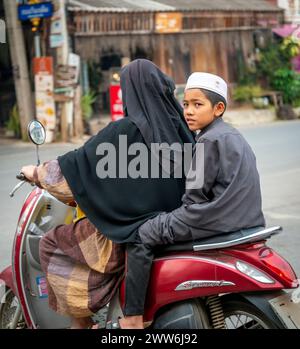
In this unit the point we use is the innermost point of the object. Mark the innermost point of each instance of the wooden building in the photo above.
(7, 91)
(180, 36)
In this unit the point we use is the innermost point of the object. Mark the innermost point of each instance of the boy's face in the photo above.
(198, 110)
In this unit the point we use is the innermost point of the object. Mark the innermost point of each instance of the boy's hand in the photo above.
(29, 172)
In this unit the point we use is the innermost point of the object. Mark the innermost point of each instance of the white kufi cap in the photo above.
(208, 82)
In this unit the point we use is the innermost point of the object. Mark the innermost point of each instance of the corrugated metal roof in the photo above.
(170, 5)
(227, 5)
(119, 5)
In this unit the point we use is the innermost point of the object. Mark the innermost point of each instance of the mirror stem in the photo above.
(38, 156)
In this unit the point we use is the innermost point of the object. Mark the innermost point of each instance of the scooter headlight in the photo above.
(253, 273)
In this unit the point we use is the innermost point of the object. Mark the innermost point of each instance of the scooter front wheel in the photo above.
(10, 312)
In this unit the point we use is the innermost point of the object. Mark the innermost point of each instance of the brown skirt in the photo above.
(83, 268)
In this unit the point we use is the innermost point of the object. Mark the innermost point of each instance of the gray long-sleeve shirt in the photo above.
(229, 199)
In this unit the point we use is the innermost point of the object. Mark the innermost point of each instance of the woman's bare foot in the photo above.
(82, 323)
(132, 322)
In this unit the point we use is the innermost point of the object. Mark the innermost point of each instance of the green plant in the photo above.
(246, 93)
(87, 101)
(275, 64)
(271, 59)
(13, 123)
(296, 103)
(290, 46)
(287, 81)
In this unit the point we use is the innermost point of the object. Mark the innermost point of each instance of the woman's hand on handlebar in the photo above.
(28, 172)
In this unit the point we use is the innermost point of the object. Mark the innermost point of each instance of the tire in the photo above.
(242, 315)
(8, 308)
(189, 314)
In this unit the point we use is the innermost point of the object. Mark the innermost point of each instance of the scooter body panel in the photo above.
(186, 275)
(18, 254)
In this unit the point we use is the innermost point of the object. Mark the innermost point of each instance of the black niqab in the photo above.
(149, 101)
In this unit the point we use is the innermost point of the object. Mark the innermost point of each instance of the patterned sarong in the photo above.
(83, 268)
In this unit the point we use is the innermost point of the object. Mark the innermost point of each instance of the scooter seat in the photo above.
(224, 240)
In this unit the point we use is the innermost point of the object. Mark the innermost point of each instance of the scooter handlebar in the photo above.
(23, 180)
(21, 177)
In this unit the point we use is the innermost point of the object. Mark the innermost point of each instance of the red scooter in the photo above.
(234, 281)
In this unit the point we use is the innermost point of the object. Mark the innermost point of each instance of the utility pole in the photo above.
(63, 59)
(20, 66)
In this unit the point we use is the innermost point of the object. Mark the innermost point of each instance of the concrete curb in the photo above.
(246, 117)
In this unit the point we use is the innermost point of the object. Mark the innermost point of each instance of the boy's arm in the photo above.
(165, 228)
(178, 225)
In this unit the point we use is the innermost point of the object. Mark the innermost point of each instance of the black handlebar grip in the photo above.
(21, 177)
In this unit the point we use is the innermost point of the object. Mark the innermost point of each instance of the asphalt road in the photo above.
(277, 148)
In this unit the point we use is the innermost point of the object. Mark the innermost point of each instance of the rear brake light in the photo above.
(280, 268)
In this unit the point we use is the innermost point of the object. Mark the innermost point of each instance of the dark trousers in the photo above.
(139, 263)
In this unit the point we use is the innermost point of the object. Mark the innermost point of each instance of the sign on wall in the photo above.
(41, 10)
(44, 99)
(116, 104)
(168, 22)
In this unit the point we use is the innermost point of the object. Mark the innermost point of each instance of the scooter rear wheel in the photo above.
(188, 314)
(242, 315)
(8, 309)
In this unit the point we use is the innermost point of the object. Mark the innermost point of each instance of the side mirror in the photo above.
(36, 132)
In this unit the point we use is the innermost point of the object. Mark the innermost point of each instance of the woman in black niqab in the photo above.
(84, 261)
(118, 206)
